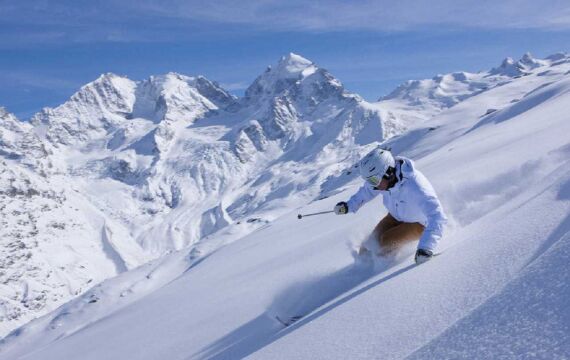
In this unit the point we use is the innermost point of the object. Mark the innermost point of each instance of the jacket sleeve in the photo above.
(436, 221)
(362, 196)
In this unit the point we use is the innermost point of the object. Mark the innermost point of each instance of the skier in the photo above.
(414, 211)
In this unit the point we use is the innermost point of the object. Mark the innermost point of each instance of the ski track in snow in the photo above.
(308, 300)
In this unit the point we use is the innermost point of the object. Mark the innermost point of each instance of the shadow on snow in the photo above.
(297, 300)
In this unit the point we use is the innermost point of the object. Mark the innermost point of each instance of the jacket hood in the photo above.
(405, 169)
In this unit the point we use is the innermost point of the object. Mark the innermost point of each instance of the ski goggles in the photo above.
(374, 180)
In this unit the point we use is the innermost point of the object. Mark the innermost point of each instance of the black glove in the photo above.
(341, 208)
(422, 256)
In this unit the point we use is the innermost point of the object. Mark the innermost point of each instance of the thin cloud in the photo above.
(383, 15)
(174, 20)
(30, 80)
(233, 86)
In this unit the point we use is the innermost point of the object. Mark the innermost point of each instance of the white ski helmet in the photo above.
(375, 165)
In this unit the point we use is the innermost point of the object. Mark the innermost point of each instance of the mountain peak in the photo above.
(507, 62)
(293, 64)
(527, 57)
(108, 80)
(508, 68)
(3, 112)
(106, 77)
(290, 69)
(529, 62)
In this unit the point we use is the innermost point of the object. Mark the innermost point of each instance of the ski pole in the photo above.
(300, 216)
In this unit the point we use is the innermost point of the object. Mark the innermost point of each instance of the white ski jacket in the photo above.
(411, 200)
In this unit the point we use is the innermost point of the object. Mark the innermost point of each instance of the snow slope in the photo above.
(50, 238)
(146, 168)
(497, 291)
(166, 163)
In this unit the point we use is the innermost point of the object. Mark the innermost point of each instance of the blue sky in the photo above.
(48, 49)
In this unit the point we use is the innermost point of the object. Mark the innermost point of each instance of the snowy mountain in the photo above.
(430, 96)
(189, 186)
(163, 163)
(50, 235)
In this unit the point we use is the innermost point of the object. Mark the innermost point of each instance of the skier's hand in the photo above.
(341, 208)
(422, 256)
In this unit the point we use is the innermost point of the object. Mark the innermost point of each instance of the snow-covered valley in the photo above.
(186, 199)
